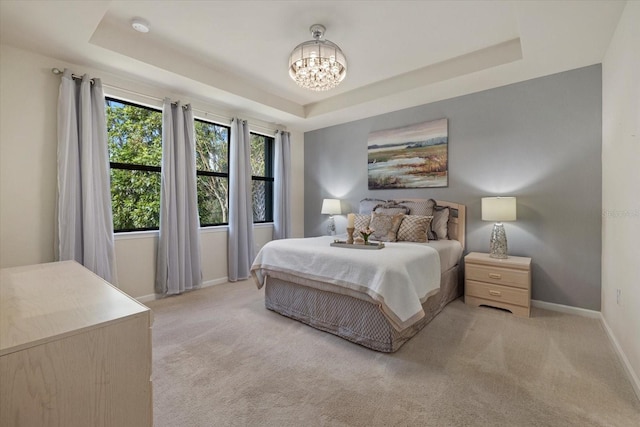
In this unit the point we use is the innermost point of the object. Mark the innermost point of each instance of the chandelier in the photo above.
(317, 64)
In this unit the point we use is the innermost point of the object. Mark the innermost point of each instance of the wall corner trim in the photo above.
(566, 309)
(153, 297)
(633, 377)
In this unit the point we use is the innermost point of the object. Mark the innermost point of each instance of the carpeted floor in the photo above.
(221, 359)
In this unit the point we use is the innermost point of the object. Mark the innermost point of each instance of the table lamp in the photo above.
(498, 209)
(331, 207)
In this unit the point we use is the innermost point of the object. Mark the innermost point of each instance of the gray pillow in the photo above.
(439, 224)
(419, 207)
(368, 205)
(390, 208)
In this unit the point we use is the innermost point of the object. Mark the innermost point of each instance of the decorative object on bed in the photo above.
(414, 156)
(362, 245)
(385, 227)
(365, 233)
(439, 223)
(498, 209)
(414, 228)
(326, 293)
(331, 207)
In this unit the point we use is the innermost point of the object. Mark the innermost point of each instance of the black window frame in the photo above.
(133, 166)
(217, 174)
(268, 163)
(269, 142)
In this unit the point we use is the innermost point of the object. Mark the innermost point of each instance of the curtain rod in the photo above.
(73, 76)
(57, 71)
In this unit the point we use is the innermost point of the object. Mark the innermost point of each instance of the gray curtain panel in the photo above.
(178, 263)
(282, 187)
(241, 250)
(84, 218)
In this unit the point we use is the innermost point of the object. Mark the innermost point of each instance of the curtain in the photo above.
(178, 261)
(282, 187)
(84, 219)
(240, 244)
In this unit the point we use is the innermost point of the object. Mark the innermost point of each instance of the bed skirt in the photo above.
(353, 319)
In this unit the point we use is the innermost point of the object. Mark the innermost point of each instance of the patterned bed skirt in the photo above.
(353, 319)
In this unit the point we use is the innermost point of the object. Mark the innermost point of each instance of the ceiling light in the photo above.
(140, 25)
(317, 64)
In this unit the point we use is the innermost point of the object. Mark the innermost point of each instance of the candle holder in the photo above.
(350, 235)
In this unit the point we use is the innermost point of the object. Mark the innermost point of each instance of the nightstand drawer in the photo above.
(497, 275)
(500, 293)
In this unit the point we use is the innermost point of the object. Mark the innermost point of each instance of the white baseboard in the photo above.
(566, 309)
(633, 377)
(153, 297)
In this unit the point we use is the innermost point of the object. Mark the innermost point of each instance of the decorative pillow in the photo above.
(439, 224)
(361, 221)
(368, 205)
(385, 226)
(414, 228)
(390, 208)
(419, 207)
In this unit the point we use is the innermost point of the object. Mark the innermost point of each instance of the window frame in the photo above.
(216, 174)
(132, 166)
(267, 178)
(269, 160)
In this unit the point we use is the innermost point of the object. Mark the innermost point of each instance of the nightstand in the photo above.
(503, 283)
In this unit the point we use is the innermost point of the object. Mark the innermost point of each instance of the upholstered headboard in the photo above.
(457, 217)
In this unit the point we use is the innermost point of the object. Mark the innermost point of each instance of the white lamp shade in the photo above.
(499, 209)
(331, 207)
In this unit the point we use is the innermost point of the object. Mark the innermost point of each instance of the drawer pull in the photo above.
(495, 293)
(495, 276)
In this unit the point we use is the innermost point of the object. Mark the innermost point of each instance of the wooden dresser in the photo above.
(503, 283)
(74, 350)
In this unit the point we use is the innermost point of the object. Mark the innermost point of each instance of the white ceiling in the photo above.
(233, 54)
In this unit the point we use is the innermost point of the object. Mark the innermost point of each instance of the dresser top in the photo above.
(45, 302)
(522, 263)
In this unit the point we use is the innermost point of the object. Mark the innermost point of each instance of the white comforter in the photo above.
(398, 278)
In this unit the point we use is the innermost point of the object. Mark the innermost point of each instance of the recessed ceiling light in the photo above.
(140, 25)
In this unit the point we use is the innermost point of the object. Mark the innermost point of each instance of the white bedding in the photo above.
(399, 277)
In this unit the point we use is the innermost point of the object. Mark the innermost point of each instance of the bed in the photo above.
(351, 293)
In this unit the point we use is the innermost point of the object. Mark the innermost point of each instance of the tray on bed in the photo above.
(356, 246)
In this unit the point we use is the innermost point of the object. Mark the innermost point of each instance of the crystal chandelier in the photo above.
(317, 64)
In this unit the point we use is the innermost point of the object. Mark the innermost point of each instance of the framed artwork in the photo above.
(409, 157)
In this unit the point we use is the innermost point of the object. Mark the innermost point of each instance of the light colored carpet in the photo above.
(221, 359)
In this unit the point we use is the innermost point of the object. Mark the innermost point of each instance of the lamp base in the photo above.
(498, 242)
(331, 227)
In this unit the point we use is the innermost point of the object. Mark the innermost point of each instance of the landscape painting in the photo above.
(410, 157)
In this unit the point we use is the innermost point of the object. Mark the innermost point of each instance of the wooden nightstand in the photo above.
(503, 283)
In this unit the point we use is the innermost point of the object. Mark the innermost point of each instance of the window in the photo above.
(212, 163)
(262, 177)
(135, 155)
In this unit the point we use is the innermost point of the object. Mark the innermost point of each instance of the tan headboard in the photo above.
(457, 219)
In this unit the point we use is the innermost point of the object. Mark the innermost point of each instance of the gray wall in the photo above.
(538, 140)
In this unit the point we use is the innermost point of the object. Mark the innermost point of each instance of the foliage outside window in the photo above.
(135, 154)
(262, 177)
(212, 163)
